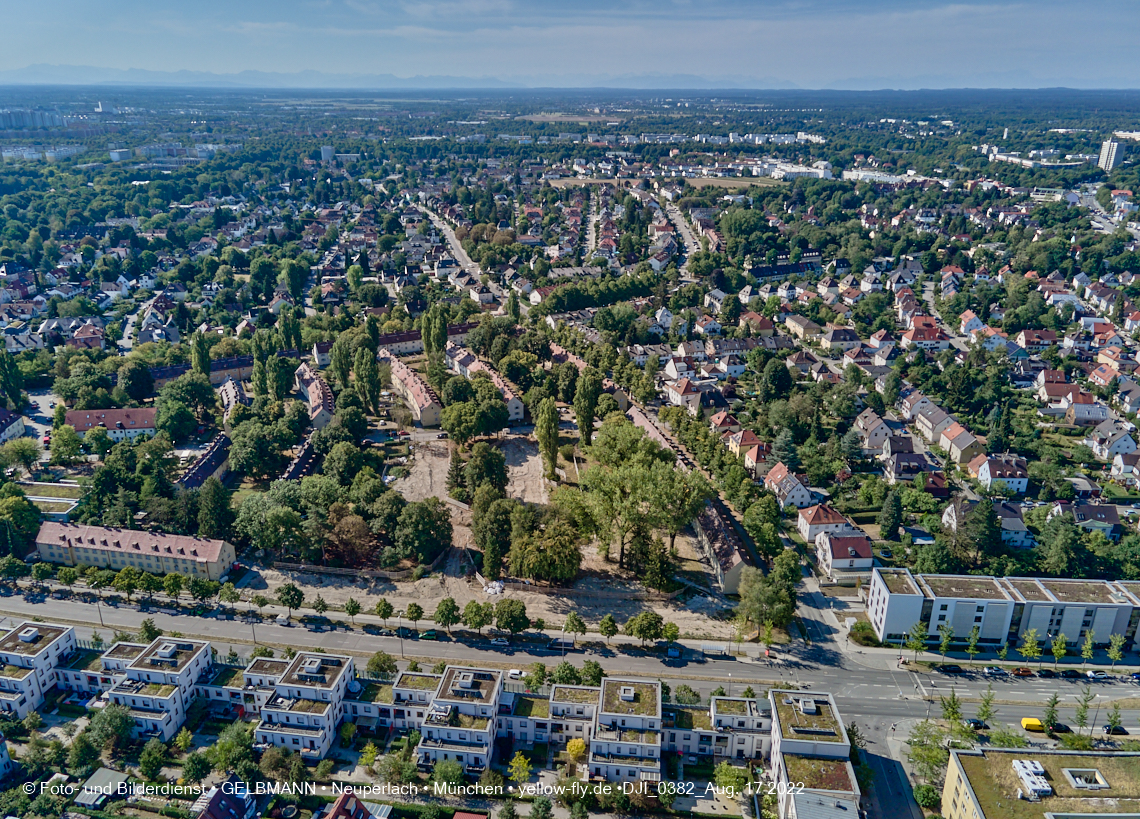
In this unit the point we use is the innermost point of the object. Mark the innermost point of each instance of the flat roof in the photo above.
(995, 785)
(822, 726)
(574, 693)
(267, 666)
(168, 654)
(899, 582)
(1029, 590)
(322, 674)
(687, 719)
(819, 774)
(124, 651)
(1083, 591)
(461, 684)
(45, 635)
(417, 682)
(963, 586)
(646, 697)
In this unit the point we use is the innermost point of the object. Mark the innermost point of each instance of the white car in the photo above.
(515, 674)
(500, 641)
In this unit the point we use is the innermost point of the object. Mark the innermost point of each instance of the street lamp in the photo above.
(730, 684)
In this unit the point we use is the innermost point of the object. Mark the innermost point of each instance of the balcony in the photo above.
(284, 728)
(630, 735)
(453, 745)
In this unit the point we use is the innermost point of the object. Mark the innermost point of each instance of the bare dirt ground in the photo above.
(601, 589)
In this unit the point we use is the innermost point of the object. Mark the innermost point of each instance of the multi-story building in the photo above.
(572, 712)
(743, 727)
(626, 741)
(989, 782)
(1111, 155)
(243, 690)
(416, 392)
(307, 705)
(93, 672)
(811, 756)
(460, 721)
(1002, 608)
(158, 685)
(29, 656)
(74, 544)
(412, 693)
(121, 424)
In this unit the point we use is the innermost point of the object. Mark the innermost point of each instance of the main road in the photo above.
(456, 248)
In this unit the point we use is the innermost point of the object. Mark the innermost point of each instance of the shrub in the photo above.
(863, 634)
(927, 797)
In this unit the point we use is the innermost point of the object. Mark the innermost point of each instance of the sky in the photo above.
(568, 43)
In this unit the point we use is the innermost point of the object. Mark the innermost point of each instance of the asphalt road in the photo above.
(456, 248)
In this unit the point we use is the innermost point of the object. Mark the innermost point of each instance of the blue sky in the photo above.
(761, 43)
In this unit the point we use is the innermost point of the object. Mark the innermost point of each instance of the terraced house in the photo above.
(307, 705)
(460, 721)
(158, 685)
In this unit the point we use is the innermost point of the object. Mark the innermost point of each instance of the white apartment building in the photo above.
(572, 712)
(460, 722)
(307, 706)
(811, 749)
(93, 672)
(158, 685)
(626, 742)
(1002, 608)
(743, 727)
(29, 656)
(412, 693)
(247, 690)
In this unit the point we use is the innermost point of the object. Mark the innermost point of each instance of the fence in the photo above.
(602, 595)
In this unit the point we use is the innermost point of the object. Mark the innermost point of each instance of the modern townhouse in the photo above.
(743, 723)
(92, 672)
(626, 743)
(159, 684)
(242, 691)
(460, 723)
(307, 706)
(29, 655)
(412, 694)
(572, 712)
(811, 757)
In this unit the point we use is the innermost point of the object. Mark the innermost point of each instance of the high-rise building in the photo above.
(328, 153)
(1110, 155)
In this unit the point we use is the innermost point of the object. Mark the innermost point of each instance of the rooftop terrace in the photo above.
(822, 726)
(688, 719)
(168, 654)
(417, 682)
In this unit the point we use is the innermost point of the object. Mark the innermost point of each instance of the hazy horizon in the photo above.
(731, 44)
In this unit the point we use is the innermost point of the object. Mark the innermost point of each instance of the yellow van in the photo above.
(1032, 724)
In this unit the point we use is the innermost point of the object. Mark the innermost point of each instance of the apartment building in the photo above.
(460, 721)
(74, 544)
(414, 389)
(158, 685)
(572, 712)
(29, 656)
(626, 742)
(412, 693)
(307, 705)
(811, 750)
(743, 727)
(993, 783)
(93, 672)
(1002, 608)
(243, 691)
(121, 424)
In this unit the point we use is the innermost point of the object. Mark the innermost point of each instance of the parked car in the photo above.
(1060, 728)
(441, 435)
(1022, 672)
(501, 641)
(950, 668)
(1032, 724)
(1046, 673)
(977, 724)
(515, 674)
(1070, 674)
(1135, 676)
(407, 633)
(385, 632)
(995, 671)
(1097, 675)
(430, 634)
(1115, 731)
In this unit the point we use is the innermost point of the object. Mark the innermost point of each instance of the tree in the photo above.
(319, 605)
(1116, 648)
(972, 642)
(195, 767)
(215, 516)
(546, 431)
(592, 673)
(986, 709)
(946, 637)
(890, 517)
(384, 609)
(510, 616)
(82, 756)
(576, 749)
(1088, 646)
(290, 596)
(65, 445)
(1030, 647)
(574, 624)
(424, 529)
(492, 531)
(951, 707)
(1113, 717)
(183, 740)
(1050, 715)
(149, 585)
(352, 608)
(608, 627)
(586, 394)
(136, 380)
(381, 663)
(127, 581)
(916, 639)
(541, 808)
(486, 465)
(41, 571)
(519, 768)
(344, 463)
(645, 626)
(447, 613)
(447, 772)
(729, 778)
(1059, 648)
(152, 758)
(927, 752)
(784, 450)
(148, 631)
(476, 615)
(111, 726)
(1086, 698)
(67, 575)
(414, 612)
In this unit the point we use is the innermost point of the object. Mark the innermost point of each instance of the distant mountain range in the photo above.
(45, 74)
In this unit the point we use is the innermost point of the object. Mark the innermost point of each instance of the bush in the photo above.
(1002, 738)
(863, 634)
(927, 797)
